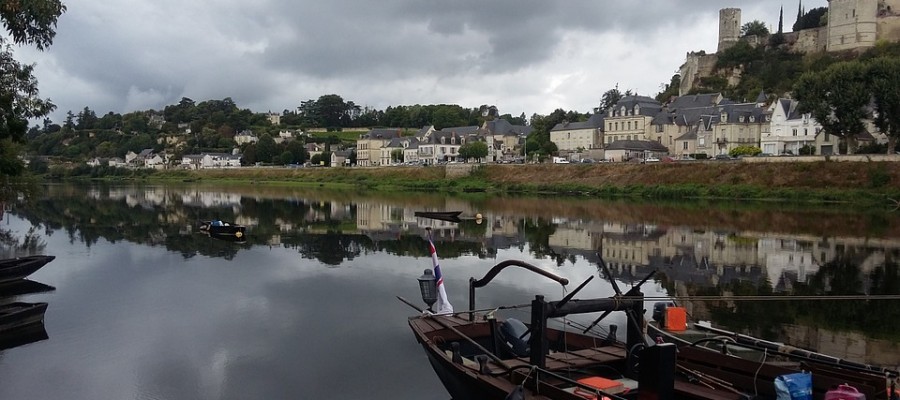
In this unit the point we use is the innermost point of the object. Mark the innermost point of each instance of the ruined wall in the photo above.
(695, 67)
(811, 40)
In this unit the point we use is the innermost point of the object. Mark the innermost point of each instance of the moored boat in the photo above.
(478, 355)
(223, 229)
(12, 269)
(17, 315)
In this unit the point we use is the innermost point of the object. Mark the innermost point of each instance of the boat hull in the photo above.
(18, 268)
(230, 230)
(14, 316)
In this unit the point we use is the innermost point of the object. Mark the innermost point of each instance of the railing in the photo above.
(496, 270)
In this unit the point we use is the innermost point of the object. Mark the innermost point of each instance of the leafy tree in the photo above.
(744, 151)
(286, 158)
(87, 119)
(265, 148)
(670, 90)
(884, 82)
(812, 19)
(397, 155)
(837, 99)
(27, 23)
(476, 150)
(754, 28)
(298, 151)
(609, 99)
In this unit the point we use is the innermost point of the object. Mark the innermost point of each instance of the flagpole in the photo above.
(443, 304)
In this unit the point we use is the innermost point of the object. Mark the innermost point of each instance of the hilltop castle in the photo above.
(853, 25)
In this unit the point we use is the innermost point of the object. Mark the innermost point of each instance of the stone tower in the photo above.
(851, 24)
(729, 27)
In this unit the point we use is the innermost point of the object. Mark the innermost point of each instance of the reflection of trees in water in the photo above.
(842, 276)
(12, 246)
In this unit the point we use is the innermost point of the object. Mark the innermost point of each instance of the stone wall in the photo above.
(696, 66)
(833, 158)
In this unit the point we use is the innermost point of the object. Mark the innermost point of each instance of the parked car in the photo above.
(651, 159)
(723, 157)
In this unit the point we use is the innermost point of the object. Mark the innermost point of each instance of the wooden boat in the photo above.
(18, 315)
(477, 355)
(223, 229)
(449, 216)
(22, 287)
(22, 336)
(744, 361)
(12, 269)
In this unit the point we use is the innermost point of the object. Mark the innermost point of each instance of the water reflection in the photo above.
(697, 248)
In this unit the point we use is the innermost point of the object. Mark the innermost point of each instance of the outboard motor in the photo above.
(510, 331)
(659, 310)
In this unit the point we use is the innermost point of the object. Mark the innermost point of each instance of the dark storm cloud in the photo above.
(530, 56)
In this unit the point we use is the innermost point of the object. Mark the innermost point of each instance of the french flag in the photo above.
(443, 305)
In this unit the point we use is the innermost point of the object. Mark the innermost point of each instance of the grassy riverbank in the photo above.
(855, 182)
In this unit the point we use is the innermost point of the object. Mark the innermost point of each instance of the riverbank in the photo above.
(869, 182)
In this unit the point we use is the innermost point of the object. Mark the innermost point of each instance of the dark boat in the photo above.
(449, 216)
(22, 336)
(478, 355)
(18, 315)
(221, 229)
(736, 357)
(12, 269)
(22, 287)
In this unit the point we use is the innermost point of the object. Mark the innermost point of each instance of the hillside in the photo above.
(870, 182)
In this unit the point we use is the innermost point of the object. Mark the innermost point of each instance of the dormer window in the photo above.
(752, 119)
(637, 109)
(622, 111)
(724, 117)
(741, 118)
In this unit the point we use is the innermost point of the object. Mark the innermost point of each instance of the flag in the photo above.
(443, 304)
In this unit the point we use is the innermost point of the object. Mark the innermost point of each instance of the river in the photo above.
(145, 306)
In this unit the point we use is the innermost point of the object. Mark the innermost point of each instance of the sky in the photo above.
(523, 56)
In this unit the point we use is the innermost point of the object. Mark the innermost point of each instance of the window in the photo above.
(629, 125)
(827, 137)
(684, 145)
(805, 131)
(795, 131)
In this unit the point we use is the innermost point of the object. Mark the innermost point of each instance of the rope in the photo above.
(756, 374)
(779, 298)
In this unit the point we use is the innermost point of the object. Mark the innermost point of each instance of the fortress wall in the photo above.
(811, 40)
(889, 27)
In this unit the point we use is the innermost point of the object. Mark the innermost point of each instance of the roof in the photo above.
(648, 106)
(594, 122)
(382, 133)
(503, 127)
(695, 101)
(637, 145)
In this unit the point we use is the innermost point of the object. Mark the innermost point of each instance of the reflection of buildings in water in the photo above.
(851, 346)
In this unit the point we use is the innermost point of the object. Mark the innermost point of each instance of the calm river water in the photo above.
(146, 307)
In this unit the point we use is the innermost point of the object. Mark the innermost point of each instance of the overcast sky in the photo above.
(530, 56)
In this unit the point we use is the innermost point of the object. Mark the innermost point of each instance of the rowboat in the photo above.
(17, 315)
(223, 229)
(22, 287)
(478, 355)
(744, 360)
(12, 269)
(449, 216)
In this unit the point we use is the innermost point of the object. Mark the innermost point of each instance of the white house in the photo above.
(245, 136)
(790, 130)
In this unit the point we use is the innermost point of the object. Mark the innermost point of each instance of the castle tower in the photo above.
(729, 27)
(851, 24)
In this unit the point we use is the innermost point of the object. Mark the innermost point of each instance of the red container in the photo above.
(844, 392)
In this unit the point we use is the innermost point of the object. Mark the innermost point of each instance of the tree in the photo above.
(27, 23)
(265, 148)
(837, 98)
(476, 150)
(812, 19)
(397, 156)
(884, 82)
(781, 20)
(754, 28)
(670, 90)
(609, 99)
